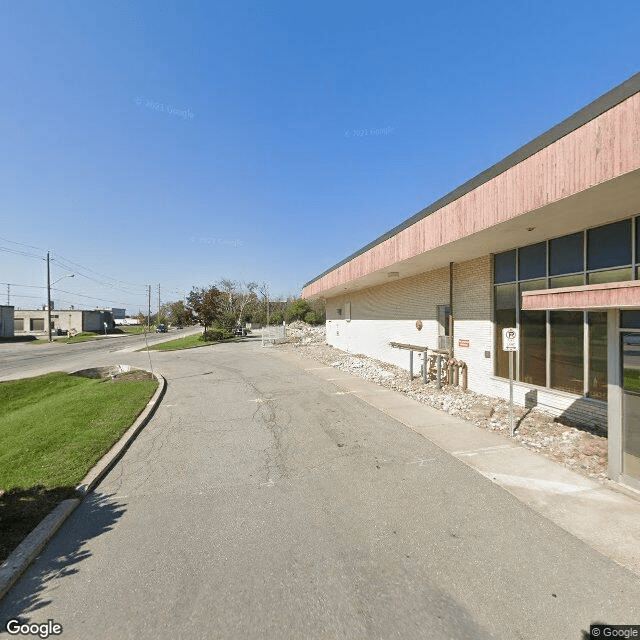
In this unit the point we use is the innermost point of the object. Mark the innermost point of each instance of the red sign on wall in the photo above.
(463, 343)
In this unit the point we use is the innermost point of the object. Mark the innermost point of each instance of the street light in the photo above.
(49, 285)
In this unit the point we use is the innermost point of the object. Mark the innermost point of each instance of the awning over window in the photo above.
(613, 295)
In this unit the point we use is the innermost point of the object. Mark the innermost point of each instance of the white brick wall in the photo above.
(388, 312)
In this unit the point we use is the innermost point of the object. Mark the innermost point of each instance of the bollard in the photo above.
(456, 373)
(424, 366)
(439, 371)
(410, 365)
(464, 376)
(450, 372)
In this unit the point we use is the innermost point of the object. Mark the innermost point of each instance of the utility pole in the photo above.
(149, 311)
(8, 296)
(48, 298)
(158, 302)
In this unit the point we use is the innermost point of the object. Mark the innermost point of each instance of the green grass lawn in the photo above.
(182, 343)
(134, 329)
(54, 428)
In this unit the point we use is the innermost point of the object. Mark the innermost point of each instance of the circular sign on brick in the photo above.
(419, 325)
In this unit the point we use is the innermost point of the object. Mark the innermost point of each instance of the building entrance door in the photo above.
(630, 345)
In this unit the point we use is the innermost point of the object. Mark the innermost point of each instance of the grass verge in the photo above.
(187, 342)
(53, 429)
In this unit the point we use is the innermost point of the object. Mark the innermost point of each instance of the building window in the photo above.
(18, 324)
(598, 355)
(532, 261)
(504, 267)
(505, 316)
(567, 351)
(566, 254)
(36, 324)
(594, 256)
(609, 246)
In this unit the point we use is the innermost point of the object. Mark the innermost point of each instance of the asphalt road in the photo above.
(263, 502)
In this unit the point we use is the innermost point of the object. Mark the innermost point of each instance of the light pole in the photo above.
(49, 285)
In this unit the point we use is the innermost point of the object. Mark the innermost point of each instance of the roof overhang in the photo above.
(613, 295)
(583, 173)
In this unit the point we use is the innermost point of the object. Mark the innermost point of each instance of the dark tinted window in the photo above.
(532, 261)
(630, 319)
(566, 254)
(567, 351)
(609, 246)
(505, 267)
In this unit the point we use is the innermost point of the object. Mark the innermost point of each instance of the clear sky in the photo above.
(180, 143)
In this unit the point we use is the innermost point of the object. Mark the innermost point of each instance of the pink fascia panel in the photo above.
(613, 295)
(604, 148)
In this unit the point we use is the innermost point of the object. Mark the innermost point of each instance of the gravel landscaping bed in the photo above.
(578, 447)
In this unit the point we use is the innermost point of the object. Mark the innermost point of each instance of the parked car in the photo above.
(239, 331)
(161, 328)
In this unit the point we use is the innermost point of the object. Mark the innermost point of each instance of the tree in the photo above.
(206, 305)
(177, 313)
(237, 295)
(297, 310)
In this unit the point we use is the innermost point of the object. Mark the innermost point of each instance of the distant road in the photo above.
(261, 502)
(24, 359)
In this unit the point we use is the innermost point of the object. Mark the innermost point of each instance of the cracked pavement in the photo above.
(260, 502)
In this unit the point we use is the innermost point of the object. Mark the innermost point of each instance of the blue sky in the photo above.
(181, 143)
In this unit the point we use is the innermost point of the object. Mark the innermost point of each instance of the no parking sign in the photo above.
(510, 339)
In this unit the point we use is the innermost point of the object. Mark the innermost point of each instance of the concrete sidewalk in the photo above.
(605, 518)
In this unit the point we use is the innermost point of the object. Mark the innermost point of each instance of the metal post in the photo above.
(424, 366)
(410, 365)
(511, 425)
(149, 311)
(439, 371)
(48, 298)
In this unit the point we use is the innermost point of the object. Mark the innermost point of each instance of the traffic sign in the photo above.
(510, 339)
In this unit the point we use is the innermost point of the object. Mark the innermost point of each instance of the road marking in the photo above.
(270, 483)
(258, 400)
(475, 452)
(342, 393)
(422, 462)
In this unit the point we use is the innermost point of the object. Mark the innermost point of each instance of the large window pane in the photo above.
(505, 316)
(598, 355)
(504, 267)
(532, 261)
(533, 347)
(566, 254)
(566, 281)
(567, 351)
(612, 275)
(609, 246)
(630, 319)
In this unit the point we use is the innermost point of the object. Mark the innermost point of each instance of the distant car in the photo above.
(239, 331)
(161, 328)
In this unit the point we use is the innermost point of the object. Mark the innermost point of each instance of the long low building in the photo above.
(30, 321)
(547, 241)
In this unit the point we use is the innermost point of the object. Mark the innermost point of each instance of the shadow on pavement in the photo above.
(95, 516)
(21, 510)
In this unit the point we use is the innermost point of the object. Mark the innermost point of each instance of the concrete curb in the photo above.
(24, 554)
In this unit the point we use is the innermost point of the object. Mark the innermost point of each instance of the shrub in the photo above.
(215, 334)
(227, 321)
(297, 311)
(275, 318)
(312, 318)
